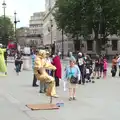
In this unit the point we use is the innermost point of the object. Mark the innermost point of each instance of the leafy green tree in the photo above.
(103, 17)
(84, 17)
(6, 29)
(69, 18)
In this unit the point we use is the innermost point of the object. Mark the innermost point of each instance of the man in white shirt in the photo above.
(80, 62)
(118, 60)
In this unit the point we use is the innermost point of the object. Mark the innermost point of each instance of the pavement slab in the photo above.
(99, 101)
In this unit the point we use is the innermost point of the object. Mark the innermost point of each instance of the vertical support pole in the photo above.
(62, 44)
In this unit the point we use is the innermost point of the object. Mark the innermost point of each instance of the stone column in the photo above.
(94, 46)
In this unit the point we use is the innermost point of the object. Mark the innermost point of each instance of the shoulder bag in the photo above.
(73, 80)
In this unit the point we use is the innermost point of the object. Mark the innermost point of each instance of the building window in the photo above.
(89, 45)
(114, 44)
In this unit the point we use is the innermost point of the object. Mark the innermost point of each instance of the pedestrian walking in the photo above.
(72, 75)
(97, 67)
(17, 64)
(88, 67)
(58, 72)
(101, 65)
(114, 66)
(105, 66)
(118, 60)
(81, 65)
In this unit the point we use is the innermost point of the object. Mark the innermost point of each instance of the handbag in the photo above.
(112, 70)
(73, 79)
(21, 62)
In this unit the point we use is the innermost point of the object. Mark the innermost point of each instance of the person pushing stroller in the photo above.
(88, 68)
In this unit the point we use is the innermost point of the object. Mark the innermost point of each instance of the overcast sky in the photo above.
(24, 9)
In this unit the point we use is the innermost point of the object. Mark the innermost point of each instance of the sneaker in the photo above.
(17, 73)
(41, 91)
(74, 98)
(89, 80)
(93, 81)
(70, 99)
(35, 85)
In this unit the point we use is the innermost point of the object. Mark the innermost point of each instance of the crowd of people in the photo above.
(47, 69)
(81, 70)
(54, 60)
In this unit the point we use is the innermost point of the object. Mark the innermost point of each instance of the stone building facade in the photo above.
(22, 35)
(32, 35)
(111, 48)
(51, 35)
(35, 35)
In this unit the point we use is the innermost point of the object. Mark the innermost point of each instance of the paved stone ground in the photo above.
(99, 101)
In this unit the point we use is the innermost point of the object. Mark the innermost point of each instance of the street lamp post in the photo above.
(4, 7)
(5, 41)
(15, 22)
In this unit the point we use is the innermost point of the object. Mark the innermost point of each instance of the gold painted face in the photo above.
(42, 54)
(47, 54)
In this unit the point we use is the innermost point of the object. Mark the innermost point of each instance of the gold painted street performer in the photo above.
(3, 68)
(40, 72)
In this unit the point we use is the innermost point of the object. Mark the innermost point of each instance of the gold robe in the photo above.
(40, 72)
(3, 67)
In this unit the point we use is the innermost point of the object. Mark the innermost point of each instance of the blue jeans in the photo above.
(18, 68)
(43, 87)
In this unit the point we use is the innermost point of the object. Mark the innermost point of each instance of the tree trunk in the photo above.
(53, 49)
(98, 46)
(77, 44)
(98, 43)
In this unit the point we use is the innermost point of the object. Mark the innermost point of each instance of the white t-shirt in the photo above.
(118, 60)
(87, 71)
(27, 50)
(48, 60)
(80, 61)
